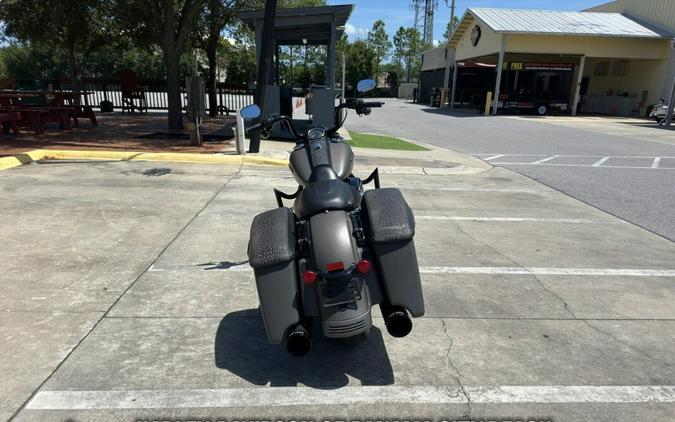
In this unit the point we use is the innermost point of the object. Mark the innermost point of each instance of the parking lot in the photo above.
(634, 162)
(127, 296)
(623, 166)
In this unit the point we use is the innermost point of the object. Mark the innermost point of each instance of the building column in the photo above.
(671, 104)
(454, 86)
(446, 76)
(577, 87)
(498, 82)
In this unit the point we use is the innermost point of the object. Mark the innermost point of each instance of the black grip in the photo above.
(254, 127)
(371, 104)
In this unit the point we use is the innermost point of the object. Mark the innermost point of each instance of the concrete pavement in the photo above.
(128, 297)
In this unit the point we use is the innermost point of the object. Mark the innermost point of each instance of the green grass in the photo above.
(363, 140)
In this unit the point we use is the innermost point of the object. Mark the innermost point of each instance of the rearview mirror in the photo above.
(250, 112)
(365, 85)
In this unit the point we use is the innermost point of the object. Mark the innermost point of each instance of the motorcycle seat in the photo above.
(326, 195)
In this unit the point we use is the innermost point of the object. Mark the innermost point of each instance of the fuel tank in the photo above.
(322, 151)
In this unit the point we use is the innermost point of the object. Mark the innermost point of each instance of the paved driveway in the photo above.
(625, 167)
(126, 296)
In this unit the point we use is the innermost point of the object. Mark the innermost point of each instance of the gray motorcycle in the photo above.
(339, 250)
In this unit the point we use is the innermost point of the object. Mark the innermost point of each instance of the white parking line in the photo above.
(553, 157)
(616, 272)
(517, 219)
(238, 268)
(550, 271)
(600, 162)
(574, 156)
(656, 162)
(306, 396)
(494, 157)
(584, 165)
(493, 190)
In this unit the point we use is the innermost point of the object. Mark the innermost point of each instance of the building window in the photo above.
(620, 68)
(601, 69)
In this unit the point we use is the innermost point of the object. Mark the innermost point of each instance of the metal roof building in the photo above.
(613, 60)
(546, 22)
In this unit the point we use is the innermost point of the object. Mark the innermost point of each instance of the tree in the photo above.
(449, 28)
(215, 16)
(378, 40)
(359, 63)
(30, 60)
(3, 65)
(166, 23)
(399, 50)
(408, 49)
(78, 27)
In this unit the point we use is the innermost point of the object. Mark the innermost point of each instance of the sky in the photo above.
(396, 13)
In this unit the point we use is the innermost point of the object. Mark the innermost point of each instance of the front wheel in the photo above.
(542, 110)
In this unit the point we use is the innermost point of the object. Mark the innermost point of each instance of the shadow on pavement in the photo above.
(222, 265)
(650, 125)
(241, 347)
(452, 113)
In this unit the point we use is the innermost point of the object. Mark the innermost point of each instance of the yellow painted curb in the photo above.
(42, 154)
(9, 162)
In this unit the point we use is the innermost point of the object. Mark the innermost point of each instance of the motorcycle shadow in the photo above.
(241, 347)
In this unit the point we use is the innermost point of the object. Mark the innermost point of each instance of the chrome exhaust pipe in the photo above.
(396, 320)
(299, 341)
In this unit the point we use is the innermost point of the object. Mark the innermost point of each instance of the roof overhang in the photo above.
(557, 23)
(306, 25)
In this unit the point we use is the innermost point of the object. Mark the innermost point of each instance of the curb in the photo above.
(42, 154)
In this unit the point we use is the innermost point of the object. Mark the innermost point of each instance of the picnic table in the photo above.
(15, 112)
(59, 106)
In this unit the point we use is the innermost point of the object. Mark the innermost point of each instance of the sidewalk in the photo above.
(124, 132)
(435, 161)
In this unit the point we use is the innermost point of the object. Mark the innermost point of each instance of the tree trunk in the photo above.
(173, 91)
(211, 52)
(74, 79)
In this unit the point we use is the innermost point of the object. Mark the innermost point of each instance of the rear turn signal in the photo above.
(309, 277)
(364, 266)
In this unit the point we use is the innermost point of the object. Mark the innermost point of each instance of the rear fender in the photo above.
(332, 240)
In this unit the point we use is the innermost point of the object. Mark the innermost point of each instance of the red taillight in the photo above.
(309, 277)
(335, 266)
(364, 266)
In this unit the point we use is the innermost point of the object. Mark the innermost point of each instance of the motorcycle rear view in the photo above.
(339, 250)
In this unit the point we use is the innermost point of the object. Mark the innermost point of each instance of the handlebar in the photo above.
(359, 106)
